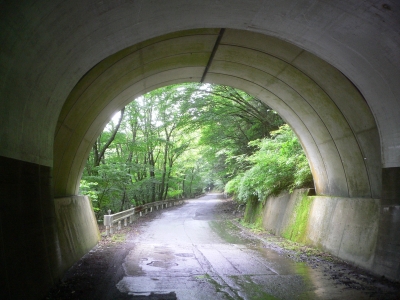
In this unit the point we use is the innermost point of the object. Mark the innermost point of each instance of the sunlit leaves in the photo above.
(180, 140)
(279, 165)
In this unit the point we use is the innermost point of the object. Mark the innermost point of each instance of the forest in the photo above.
(183, 140)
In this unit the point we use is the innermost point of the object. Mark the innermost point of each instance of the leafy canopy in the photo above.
(181, 140)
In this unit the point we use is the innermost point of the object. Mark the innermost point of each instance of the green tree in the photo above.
(179, 140)
(279, 165)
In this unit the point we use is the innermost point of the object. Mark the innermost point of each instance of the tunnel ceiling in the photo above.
(56, 55)
(330, 116)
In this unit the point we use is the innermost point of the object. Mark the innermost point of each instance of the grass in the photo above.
(294, 248)
(254, 227)
(118, 238)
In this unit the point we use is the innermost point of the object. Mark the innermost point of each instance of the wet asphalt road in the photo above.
(186, 253)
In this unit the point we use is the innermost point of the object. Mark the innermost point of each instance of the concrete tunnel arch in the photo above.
(47, 47)
(328, 113)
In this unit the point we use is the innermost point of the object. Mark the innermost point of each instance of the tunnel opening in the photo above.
(313, 97)
(328, 114)
(48, 47)
(180, 141)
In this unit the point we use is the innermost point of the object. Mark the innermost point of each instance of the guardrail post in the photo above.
(107, 222)
(125, 222)
(131, 216)
(119, 225)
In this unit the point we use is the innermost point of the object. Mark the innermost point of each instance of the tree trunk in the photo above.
(183, 186)
(191, 181)
(123, 200)
(152, 176)
(99, 156)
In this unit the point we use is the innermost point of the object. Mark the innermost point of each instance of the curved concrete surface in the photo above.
(49, 47)
(328, 113)
(330, 68)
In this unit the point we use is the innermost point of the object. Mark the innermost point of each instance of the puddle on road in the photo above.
(293, 279)
(233, 266)
(162, 264)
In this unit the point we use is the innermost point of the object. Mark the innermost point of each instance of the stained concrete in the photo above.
(345, 227)
(77, 229)
(339, 91)
(387, 260)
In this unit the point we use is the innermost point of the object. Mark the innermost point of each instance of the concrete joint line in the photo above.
(217, 42)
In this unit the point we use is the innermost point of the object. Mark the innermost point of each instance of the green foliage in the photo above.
(229, 120)
(181, 140)
(174, 194)
(232, 187)
(279, 165)
(88, 188)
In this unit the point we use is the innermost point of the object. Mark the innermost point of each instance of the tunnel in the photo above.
(330, 69)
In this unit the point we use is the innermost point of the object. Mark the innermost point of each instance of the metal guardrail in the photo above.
(133, 212)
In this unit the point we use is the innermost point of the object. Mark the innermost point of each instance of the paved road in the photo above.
(186, 254)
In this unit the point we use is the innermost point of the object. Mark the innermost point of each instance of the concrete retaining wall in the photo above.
(345, 227)
(77, 229)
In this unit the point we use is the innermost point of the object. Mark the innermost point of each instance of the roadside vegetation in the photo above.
(182, 140)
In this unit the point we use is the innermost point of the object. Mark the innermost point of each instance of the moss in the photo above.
(255, 228)
(221, 289)
(228, 232)
(253, 213)
(297, 228)
(118, 238)
(251, 289)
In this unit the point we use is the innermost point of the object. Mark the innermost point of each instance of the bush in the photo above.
(232, 186)
(279, 165)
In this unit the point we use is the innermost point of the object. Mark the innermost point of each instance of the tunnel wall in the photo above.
(387, 260)
(345, 227)
(28, 236)
(40, 238)
(77, 229)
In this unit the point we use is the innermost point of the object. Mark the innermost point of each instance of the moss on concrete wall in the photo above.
(254, 212)
(344, 227)
(296, 230)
